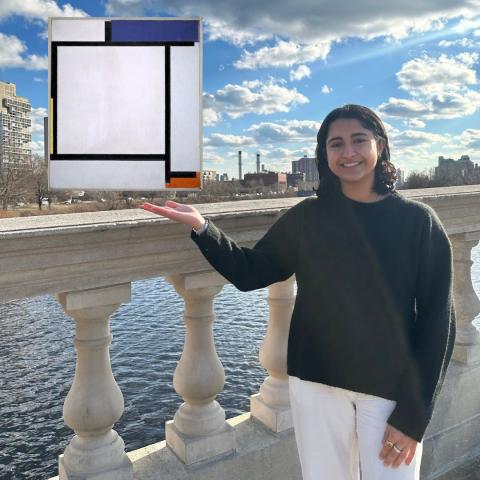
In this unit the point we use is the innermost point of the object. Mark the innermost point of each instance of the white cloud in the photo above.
(414, 150)
(309, 20)
(439, 106)
(283, 54)
(427, 75)
(462, 42)
(415, 138)
(38, 147)
(291, 131)
(301, 72)
(440, 87)
(12, 55)
(222, 140)
(455, 104)
(468, 58)
(36, 62)
(400, 107)
(253, 97)
(280, 159)
(389, 128)
(326, 89)
(213, 159)
(293, 154)
(467, 23)
(219, 30)
(210, 117)
(38, 9)
(476, 33)
(415, 123)
(39, 79)
(307, 29)
(37, 116)
(471, 138)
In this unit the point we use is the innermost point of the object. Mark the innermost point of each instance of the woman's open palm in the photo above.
(178, 212)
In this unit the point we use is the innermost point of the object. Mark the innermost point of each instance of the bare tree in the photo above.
(36, 180)
(13, 183)
(418, 180)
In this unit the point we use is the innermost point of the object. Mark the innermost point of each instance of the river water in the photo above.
(37, 363)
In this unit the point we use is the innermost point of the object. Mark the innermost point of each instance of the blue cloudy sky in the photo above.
(273, 69)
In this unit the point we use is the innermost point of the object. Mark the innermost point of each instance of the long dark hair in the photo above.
(385, 171)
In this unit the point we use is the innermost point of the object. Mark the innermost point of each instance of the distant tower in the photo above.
(263, 167)
(15, 128)
(258, 163)
(239, 164)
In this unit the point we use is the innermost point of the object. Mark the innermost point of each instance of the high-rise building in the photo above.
(455, 170)
(400, 178)
(15, 129)
(308, 166)
(209, 175)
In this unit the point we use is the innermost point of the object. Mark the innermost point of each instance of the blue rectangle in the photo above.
(155, 30)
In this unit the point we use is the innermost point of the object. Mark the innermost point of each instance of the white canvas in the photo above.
(185, 95)
(78, 30)
(107, 175)
(111, 100)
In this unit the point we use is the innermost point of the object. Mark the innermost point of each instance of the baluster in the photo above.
(467, 304)
(94, 402)
(198, 430)
(271, 405)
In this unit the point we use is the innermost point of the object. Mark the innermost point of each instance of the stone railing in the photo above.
(89, 261)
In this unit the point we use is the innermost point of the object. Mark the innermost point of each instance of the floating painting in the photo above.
(125, 104)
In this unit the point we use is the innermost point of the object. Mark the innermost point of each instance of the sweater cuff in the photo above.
(211, 234)
(202, 229)
(412, 420)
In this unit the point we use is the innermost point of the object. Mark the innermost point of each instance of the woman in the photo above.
(373, 325)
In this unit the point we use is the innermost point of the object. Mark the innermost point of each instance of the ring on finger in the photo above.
(389, 444)
(397, 449)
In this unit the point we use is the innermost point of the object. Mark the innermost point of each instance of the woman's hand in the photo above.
(178, 212)
(407, 445)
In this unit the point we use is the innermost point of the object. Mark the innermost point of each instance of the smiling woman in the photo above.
(369, 344)
(353, 154)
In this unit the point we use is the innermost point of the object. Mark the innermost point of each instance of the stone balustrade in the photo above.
(89, 261)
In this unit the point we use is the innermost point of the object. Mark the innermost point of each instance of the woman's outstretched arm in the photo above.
(272, 259)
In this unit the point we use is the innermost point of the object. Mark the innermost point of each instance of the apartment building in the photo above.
(15, 129)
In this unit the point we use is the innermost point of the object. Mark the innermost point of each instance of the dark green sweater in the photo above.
(374, 308)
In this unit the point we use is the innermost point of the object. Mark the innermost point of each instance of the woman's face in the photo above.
(352, 151)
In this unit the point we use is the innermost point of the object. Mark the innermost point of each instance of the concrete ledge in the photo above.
(276, 419)
(192, 450)
(123, 472)
(452, 439)
(54, 253)
(261, 455)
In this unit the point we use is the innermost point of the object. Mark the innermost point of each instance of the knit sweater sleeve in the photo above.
(434, 333)
(271, 260)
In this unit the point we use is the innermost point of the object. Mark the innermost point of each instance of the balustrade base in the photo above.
(203, 447)
(467, 354)
(122, 472)
(277, 419)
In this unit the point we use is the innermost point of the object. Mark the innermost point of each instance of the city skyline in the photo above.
(273, 72)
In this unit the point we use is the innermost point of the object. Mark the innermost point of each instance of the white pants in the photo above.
(339, 434)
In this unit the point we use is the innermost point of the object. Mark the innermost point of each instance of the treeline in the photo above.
(424, 180)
